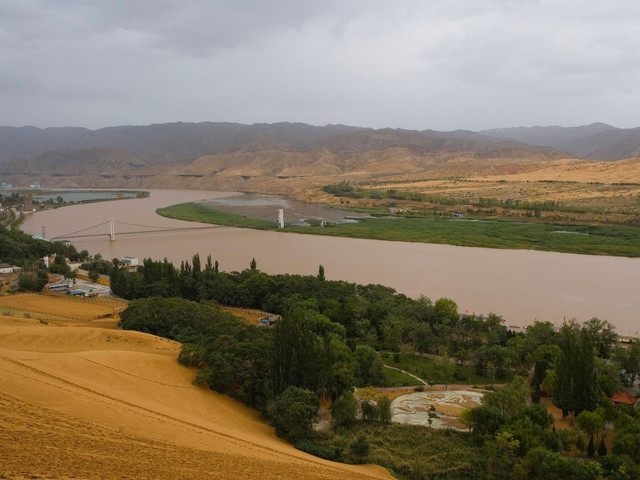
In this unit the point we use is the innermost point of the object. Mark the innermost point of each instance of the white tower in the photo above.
(280, 218)
(112, 230)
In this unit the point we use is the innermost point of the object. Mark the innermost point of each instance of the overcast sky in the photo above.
(424, 64)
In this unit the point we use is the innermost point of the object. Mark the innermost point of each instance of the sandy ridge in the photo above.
(73, 408)
(33, 450)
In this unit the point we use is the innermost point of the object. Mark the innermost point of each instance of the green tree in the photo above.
(613, 468)
(602, 448)
(31, 282)
(321, 273)
(431, 415)
(591, 450)
(541, 333)
(626, 439)
(608, 376)
(369, 369)
(629, 359)
(445, 369)
(192, 355)
(590, 422)
(446, 310)
(545, 358)
(309, 351)
(293, 413)
(384, 409)
(576, 387)
(360, 447)
(602, 336)
(483, 420)
(344, 409)
(60, 266)
(509, 400)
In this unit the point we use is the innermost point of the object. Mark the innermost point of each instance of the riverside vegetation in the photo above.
(478, 232)
(332, 335)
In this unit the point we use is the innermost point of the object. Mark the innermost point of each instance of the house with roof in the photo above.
(624, 398)
(6, 268)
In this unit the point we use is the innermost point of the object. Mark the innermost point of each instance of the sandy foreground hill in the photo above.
(88, 402)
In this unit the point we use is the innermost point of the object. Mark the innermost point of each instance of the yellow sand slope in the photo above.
(86, 402)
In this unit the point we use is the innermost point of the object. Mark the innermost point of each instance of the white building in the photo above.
(6, 268)
(129, 261)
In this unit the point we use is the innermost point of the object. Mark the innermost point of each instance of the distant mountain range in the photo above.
(175, 142)
(597, 141)
(209, 154)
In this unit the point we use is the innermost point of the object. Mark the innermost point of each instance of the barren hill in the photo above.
(65, 162)
(164, 143)
(183, 142)
(86, 402)
(289, 157)
(269, 158)
(597, 141)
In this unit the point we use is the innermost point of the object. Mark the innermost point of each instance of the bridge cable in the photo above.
(80, 231)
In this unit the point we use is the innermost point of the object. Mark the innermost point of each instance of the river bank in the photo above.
(520, 285)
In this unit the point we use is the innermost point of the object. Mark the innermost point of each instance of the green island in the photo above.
(613, 240)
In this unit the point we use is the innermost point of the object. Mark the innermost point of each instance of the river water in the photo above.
(519, 285)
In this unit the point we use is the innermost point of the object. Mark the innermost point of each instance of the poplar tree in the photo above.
(576, 387)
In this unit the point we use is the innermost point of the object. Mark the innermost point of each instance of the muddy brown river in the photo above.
(519, 285)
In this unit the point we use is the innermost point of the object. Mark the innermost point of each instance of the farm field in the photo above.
(58, 308)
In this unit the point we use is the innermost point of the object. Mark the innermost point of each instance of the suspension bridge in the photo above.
(138, 229)
(110, 230)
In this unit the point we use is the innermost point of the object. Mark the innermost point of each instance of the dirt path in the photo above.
(406, 373)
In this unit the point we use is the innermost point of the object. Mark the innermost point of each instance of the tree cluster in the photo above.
(327, 341)
(579, 367)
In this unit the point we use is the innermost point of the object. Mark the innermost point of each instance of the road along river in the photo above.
(519, 285)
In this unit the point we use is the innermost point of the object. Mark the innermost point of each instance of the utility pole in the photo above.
(112, 230)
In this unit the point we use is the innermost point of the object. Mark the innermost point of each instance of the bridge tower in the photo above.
(112, 230)
(280, 218)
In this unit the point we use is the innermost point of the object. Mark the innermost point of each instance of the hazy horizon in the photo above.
(441, 65)
(306, 123)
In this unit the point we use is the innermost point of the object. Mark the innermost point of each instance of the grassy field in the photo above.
(492, 233)
(196, 212)
(408, 451)
(399, 379)
(426, 368)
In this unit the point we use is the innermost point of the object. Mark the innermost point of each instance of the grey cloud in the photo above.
(441, 64)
